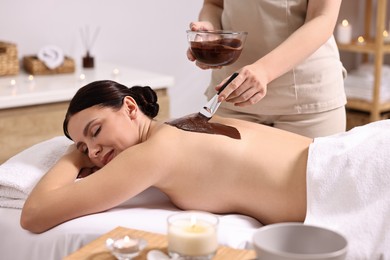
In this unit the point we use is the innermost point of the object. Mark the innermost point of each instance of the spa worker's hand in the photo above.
(200, 26)
(248, 88)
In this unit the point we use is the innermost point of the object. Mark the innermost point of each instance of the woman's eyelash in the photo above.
(96, 132)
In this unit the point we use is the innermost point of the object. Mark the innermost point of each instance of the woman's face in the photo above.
(102, 133)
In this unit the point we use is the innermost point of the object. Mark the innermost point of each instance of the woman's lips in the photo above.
(108, 157)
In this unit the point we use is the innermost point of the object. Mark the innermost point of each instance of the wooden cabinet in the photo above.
(376, 47)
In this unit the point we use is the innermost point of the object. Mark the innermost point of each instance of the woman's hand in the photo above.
(248, 88)
(200, 26)
(81, 161)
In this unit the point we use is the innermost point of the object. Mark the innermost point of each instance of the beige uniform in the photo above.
(308, 93)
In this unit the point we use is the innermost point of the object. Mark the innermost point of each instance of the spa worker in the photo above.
(290, 74)
(195, 161)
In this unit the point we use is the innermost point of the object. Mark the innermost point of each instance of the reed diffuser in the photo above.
(88, 40)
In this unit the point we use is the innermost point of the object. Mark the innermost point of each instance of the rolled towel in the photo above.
(19, 174)
(52, 56)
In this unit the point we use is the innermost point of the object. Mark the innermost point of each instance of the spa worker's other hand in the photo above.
(248, 88)
(200, 26)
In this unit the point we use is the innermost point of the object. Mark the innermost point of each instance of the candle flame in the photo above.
(193, 221)
(345, 22)
(385, 33)
(360, 39)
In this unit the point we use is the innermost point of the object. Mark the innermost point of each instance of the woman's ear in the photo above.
(130, 106)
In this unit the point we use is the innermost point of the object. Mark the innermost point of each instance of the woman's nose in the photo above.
(94, 151)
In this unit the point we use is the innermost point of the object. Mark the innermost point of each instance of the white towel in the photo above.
(19, 174)
(52, 56)
(360, 83)
(348, 188)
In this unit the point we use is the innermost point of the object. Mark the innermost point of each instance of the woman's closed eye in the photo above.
(96, 130)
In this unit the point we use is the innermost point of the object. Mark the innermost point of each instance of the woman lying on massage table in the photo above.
(222, 165)
(262, 174)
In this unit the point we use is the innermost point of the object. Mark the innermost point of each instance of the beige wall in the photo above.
(147, 34)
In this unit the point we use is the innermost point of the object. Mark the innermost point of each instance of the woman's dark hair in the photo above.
(108, 93)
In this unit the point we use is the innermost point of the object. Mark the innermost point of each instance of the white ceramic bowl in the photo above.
(293, 241)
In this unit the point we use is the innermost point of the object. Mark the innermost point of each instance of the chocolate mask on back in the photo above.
(199, 123)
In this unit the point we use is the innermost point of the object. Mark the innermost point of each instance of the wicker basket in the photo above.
(35, 66)
(9, 63)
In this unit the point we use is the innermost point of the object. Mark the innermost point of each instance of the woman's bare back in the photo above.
(255, 175)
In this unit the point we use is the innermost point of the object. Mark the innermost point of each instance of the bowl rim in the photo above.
(219, 32)
(339, 252)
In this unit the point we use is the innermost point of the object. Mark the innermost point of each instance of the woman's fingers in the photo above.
(244, 90)
(190, 56)
(201, 26)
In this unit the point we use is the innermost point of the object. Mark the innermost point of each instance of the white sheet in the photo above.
(348, 187)
(148, 211)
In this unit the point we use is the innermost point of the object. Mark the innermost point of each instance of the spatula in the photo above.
(212, 105)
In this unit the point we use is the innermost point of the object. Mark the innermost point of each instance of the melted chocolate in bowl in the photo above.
(220, 52)
(200, 124)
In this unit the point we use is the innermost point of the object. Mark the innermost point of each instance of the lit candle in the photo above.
(386, 37)
(31, 82)
(192, 234)
(360, 40)
(125, 245)
(115, 72)
(12, 82)
(344, 32)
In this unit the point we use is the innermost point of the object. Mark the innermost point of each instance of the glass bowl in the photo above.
(216, 48)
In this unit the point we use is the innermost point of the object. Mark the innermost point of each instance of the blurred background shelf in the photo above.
(374, 46)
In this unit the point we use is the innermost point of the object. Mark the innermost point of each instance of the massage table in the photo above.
(348, 191)
(148, 211)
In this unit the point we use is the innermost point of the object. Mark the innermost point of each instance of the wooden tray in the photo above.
(97, 250)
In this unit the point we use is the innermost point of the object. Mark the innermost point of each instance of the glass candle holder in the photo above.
(192, 235)
(125, 248)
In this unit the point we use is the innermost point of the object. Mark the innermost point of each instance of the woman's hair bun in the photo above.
(146, 99)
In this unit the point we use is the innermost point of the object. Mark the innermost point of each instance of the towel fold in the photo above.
(19, 174)
(348, 188)
(52, 56)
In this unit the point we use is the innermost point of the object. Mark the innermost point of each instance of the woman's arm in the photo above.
(211, 12)
(209, 19)
(58, 197)
(320, 21)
